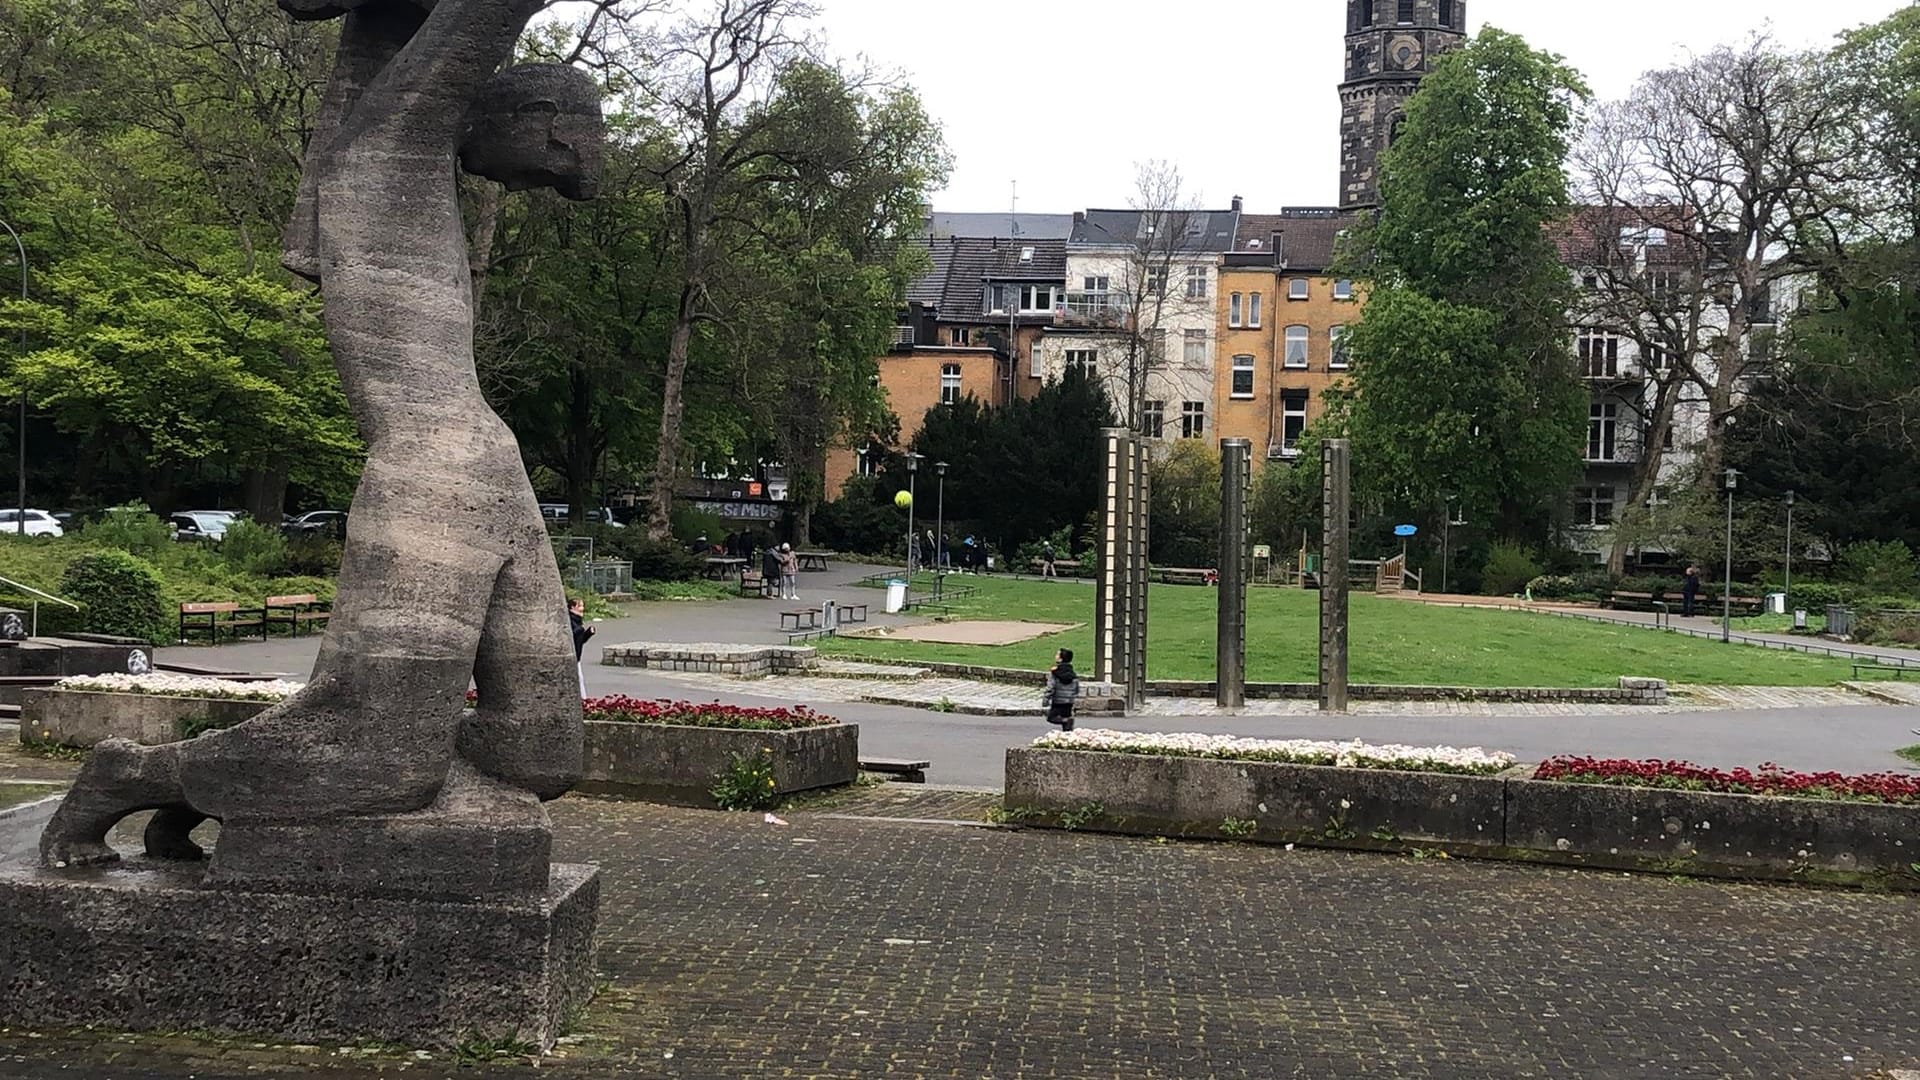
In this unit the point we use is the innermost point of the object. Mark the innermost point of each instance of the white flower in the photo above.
(1355, 754)
(166, 685)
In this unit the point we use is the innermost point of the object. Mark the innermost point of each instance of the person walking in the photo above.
(1046, 560)
(1063, 689)
(789, 573)
(577, 615)
(770, 572)
(1690, 591)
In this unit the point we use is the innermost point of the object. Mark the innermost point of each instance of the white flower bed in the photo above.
(1355, 755)
(165, 685)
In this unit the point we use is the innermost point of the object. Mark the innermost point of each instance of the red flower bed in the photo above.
(1768, 779)
(629, 710)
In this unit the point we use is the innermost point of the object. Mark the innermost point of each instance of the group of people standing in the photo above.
(970, 557)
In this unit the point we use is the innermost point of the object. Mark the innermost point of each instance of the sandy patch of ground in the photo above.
(976, 632)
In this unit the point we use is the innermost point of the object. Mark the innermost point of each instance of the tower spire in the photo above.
(1391, 45)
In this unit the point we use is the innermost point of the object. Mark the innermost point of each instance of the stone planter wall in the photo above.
(747, 660)
(678, 765)
(1630, 691)
(82, 718)
(1503, 816)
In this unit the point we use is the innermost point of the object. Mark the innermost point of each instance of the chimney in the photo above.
(1274, 241)
(1079, 217)
(1236, 204)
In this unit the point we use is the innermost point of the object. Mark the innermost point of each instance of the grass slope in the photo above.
(1394, 641)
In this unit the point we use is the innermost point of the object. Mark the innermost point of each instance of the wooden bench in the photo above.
(853, 612)
(803, 619)
(211, 617)
(754, 583)
(1896, 670)
(902, 770)
(1182, 576)
(302, 609)
(1621, 601)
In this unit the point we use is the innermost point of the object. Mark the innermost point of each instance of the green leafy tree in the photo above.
(1186, 506)
(1463, 386)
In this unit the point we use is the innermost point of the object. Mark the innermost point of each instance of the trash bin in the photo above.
(1799, 618)
(1776, 603)
(896, 596)
(829, 616)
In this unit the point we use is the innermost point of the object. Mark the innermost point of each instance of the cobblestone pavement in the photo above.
(841, 948)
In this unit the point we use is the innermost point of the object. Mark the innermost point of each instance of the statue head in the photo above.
(537, 125)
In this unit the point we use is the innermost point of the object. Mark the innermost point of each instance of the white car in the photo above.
(210, 525)
(39, 523)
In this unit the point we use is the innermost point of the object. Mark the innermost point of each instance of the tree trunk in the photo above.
(582, 447)
(666, 461)
(265, 493)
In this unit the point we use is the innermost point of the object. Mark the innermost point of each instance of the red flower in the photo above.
(1767, 779)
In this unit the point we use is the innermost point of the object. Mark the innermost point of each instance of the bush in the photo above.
(653, 560)
(1657, 587)
(1509, 568)
(122, 594)
(132, 529)
(1883, 628)
(862, 520)
(1816, 595)
(250, 548)
(1588, 585)
(1878, 567)
(313, 556)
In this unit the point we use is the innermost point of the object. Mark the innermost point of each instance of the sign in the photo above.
(1262, 551)
(741, 511)
(1405, 530)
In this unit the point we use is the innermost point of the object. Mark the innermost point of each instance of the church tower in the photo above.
(1391, 44)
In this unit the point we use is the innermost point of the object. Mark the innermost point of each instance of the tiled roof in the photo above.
(1201, 230)
(1023, 227)
(1585, 238)
(963, 265)
(1306, 237)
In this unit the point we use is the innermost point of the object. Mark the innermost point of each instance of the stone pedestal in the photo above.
(146, 945)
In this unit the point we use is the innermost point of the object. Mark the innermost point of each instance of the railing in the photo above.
(1105, 308)
(38, 596)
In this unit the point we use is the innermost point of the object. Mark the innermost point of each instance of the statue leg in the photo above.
(526, 729)
(120, 777)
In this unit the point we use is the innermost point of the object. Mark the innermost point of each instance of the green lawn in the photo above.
(1911, 753)
(16, 794)
(1394, 641)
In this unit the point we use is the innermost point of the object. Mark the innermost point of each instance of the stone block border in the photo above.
(679, 764)
(1507, 816)
(1631, 690)
(81, 718)
(750, 661)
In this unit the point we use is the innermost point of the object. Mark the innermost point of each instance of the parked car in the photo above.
(331, 523)
(195, 525)
(39, 523)
(561, 514)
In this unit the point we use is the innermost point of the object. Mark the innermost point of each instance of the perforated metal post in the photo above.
(1120, 589)
(1236, 569)
(1335, 504)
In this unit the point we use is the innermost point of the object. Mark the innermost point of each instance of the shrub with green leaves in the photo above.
(1885, 568)
(1509, 568)
(132, 529)
(747, 783)
(121, 593)
(253, 549)
(313, 556)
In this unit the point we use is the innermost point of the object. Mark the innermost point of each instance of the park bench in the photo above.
(1186, 576)
(853, 612)
(1637, 601)
(1897, 671)
(754, 583)
(902, 770)
(297, 610)
(718, 568)
(802, 618)
(212, 617)
(812, 560)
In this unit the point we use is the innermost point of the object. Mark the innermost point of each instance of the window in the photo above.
(1666, 439)
(1243, 376)
(1156, 343)
(1293, 418)
(1365, 13)
(1593, 505)
(1233, 310)
(956, 335)
(1153, 420)
(1343, 289)
(1599, 353)
(1193, 419)
(949, 384)
(1590, 281)
(1157, 280)
(1406, 11)
(1299, 289)
(1336, 346)
(1195, 353)
(1096, 284)
(1663, 284)
(869, 461)
(1196, 282)
(1036, 298)
(1253, 310)
(1446, 12)
(1603, 422)
(1296, 346)
(1658, 359)
(1084, 361)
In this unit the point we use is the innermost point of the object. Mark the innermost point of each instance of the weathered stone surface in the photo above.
(673, 764)
(747, 661)
(1711, 831)
(85, 717)
(1194, 796)
(148, 946)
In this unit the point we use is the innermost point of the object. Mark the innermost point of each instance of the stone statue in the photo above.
(376, 775)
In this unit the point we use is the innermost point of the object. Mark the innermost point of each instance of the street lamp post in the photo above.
(20, 518)
(1789, 585)
(940, 520)
(1731, 480)
(913, 469)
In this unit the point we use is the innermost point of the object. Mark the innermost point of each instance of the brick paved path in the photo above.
(843, 948)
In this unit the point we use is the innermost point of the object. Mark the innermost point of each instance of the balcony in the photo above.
(903, 337)
(1610, 373)
(1105, 308)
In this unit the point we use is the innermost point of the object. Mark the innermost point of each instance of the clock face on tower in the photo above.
(1403, 52)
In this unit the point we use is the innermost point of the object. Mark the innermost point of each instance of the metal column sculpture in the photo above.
(1236, 570)
(1120, 590)
(1335, 503)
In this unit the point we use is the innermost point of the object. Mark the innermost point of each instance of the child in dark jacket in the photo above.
(1063, 689)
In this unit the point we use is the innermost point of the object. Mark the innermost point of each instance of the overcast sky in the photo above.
(1065, 96)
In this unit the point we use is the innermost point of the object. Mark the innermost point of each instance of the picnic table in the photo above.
(719, 568)
(812, 560)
